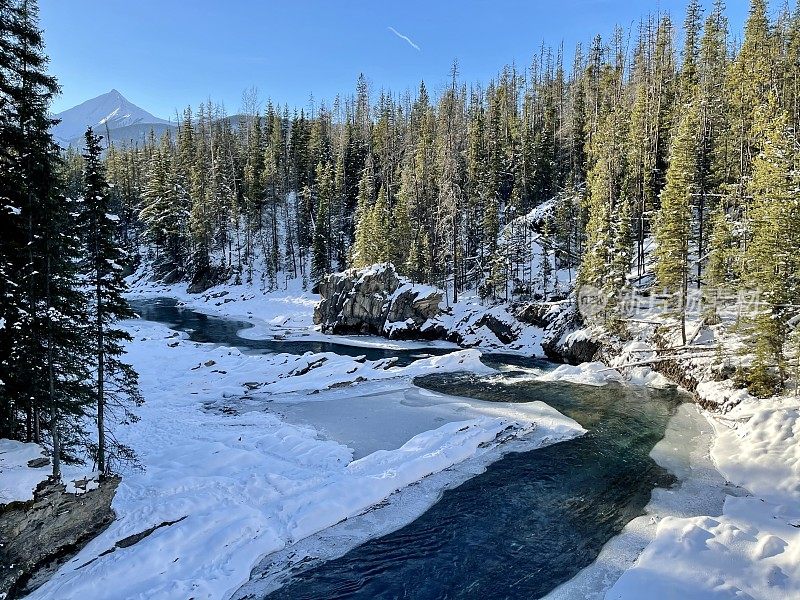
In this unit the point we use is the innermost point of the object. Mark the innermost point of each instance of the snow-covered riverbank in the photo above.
(243, 482)
(740, 483)
(225, 475)
(751, 549)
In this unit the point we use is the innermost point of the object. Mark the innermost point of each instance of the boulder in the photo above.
(502, 330)
(38, 536)
(377, 301)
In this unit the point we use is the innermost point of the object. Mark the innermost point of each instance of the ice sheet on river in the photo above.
(227, 482)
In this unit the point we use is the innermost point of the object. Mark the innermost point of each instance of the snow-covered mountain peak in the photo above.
(107, 111)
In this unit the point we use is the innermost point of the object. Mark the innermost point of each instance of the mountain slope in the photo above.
(110, 112)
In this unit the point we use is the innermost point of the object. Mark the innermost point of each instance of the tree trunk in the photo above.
(101, 430)
(51, 388)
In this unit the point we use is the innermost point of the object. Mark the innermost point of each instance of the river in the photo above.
(528, 523)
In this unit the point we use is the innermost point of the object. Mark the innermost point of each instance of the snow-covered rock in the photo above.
(376, 300)
(37, 535)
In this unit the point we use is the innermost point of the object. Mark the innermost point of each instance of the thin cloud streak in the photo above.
(406, 38)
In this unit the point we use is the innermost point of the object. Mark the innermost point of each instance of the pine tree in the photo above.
(673, 224)
(602, 268)
(322, 241)
(712, 60)
(362, 247)
(44, 362)
(771, 258)
(748, 83)
(115, 382)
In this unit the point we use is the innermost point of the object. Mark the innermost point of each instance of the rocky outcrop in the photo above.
(538, 314)
(377, 301)
(38, 536)
(564, 340)
(504, 331)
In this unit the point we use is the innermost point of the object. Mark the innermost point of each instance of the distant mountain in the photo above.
(111, 115)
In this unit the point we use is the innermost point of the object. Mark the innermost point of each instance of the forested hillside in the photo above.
(680, 138)
(669, 154)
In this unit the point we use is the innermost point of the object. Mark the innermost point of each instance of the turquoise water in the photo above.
(530, 522)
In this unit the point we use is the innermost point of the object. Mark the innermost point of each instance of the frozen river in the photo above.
(528, 523)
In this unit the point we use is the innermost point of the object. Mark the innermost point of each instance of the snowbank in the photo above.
(17, 479)
(599, 374)
(752, 550)
(594, 373)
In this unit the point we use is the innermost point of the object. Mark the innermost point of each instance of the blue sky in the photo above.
(163, 55)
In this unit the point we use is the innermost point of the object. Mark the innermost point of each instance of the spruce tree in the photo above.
(771, 262)
(115, 382)
(44, 362)
(747, 85)
(673, 224)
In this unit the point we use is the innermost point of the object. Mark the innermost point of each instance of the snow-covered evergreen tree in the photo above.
(115, 382)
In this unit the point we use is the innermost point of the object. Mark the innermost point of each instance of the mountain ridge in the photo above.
(112, 115)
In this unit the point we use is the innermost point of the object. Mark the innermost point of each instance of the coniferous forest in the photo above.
(61, 269)
(678, 136)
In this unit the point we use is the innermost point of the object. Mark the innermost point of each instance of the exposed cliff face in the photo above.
(378, 301)
(39, 535)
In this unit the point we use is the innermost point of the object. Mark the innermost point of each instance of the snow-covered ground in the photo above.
(752, 549)
(254, 462)
(246, 454)
(18, 479)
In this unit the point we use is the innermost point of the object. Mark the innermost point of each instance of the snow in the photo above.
(594, 373)
(752, 549)
(242, 481)
(722, 393)
(17, 479)
(357, 420)
(463, 318)
(110, 110)
(599, 374)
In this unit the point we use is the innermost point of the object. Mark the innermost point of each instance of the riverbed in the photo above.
(520, 526)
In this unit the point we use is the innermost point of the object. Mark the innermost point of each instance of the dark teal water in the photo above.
(532, 521)
(217, 330)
